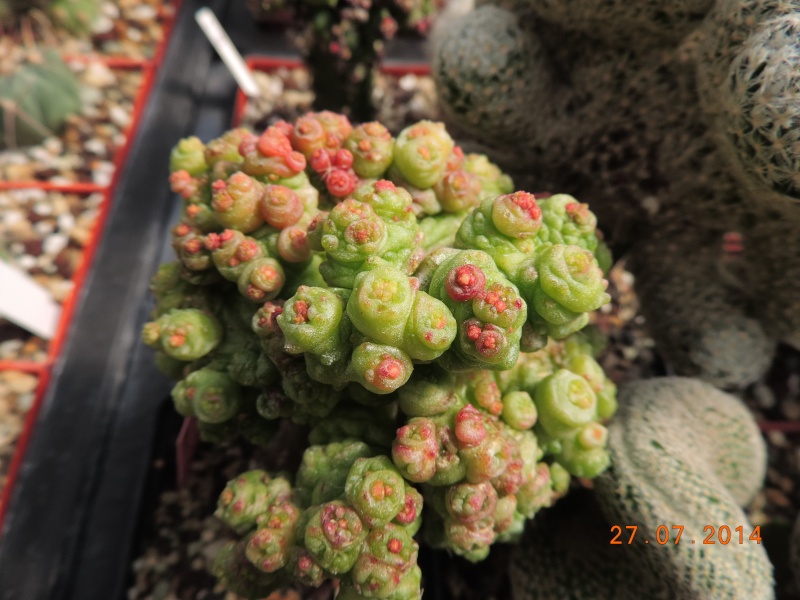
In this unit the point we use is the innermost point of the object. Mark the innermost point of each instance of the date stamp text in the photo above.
(720, 534)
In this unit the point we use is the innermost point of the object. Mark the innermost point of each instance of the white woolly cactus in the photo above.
(663, 112)
(682, 454)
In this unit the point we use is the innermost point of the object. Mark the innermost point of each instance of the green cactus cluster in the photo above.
(484, 450)
(678, 120)
(343, 41)
(419, 316)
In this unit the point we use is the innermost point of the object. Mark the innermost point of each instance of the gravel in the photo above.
(17, 393)
(286, 94)
(44, 234)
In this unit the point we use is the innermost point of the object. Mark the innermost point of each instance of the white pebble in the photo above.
(41, 154)
(651, 205)
(44, 227)
(102, 24)
(142, 12)
(119, 116)
(110, 10)
(53, 244)
(66, 221)
(25, 401)
(102, 173)
(90, 96)
(407, 82)
(54, 145)
(43, 209)
(13, 158)
(12, 217)
(29, 194)
(10, 348)
(99, 75)
(27, 262)
(95, 146)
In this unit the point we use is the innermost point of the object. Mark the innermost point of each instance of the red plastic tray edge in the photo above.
(43, 369)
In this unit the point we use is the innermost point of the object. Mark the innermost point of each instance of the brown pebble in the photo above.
(777, 498)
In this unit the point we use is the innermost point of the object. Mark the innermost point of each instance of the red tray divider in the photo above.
(405, 68)
(112, 62)
(77, 187)
(26, 366)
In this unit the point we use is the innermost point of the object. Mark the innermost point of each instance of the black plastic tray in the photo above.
(76, 507)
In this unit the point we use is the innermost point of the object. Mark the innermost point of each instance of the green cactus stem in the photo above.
(185, 334)
(421, 152)
(37, 95)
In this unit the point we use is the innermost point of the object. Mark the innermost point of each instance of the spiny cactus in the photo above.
(661, 113)
(38, 93)
(703, 325)
(748, 81)
(683, 455)
(342, 42)
(443, 370)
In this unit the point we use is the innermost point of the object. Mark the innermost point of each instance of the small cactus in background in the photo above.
(343, 41)
(684, 458)
(38, 93)
(421, 318)
(704, 325)
(75, 16)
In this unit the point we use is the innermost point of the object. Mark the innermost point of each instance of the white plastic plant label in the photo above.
(213, 30)
(26, 303)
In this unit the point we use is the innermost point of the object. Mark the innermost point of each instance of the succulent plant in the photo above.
(704, 325)
(38, 93)
(342, 42)
(671, 117)
(451, 376)
(668, 472)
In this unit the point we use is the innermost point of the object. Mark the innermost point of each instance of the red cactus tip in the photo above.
(380, 490)
(732, 243)
(527, 202)
(469, 427)
(464, 282)
(384, 185)
(342, 159)
(300, 311)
